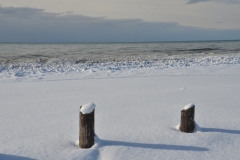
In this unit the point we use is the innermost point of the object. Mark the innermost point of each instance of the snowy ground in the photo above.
(136, 114)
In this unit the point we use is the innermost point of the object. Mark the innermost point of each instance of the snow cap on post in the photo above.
(188, 106)
(87, 108)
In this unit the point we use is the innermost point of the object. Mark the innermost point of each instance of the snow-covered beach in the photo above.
(137, 111)
(119, 80)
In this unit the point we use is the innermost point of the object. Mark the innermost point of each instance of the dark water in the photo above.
(106, 51)
(34, 59)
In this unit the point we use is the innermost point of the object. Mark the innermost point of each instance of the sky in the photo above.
(118, 20)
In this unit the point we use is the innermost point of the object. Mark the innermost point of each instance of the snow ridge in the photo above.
(68, 66)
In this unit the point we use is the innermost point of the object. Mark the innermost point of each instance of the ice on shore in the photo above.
(68, 66)
(87, 108)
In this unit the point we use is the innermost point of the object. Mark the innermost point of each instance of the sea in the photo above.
(31, 58)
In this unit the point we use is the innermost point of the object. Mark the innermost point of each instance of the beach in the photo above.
(137, 111)
(119, 80)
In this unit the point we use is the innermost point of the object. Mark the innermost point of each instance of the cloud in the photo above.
(197, 1)
(220, 1)
(23, 24)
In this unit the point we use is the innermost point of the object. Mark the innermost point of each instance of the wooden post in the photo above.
(187, 119)
(86, 129)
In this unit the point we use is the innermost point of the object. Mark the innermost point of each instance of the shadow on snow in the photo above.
(103, 143)
(13, 157)
(220, 130)
(153, 146)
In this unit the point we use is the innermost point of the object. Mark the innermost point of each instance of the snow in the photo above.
(177, 127)
(87, 108)
(138, 110)
(20, 69)
(188, 106)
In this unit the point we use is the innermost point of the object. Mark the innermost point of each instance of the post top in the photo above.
(188, 106)
(87, 108)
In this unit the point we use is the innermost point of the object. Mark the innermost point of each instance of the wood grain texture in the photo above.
(187, 120)
(86, 130)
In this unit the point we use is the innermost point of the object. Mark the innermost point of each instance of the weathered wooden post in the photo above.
(187, 119)
(86, 125)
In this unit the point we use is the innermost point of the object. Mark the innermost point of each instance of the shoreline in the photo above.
(67, 66)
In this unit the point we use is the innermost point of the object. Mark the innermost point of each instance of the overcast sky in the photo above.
(118, 20)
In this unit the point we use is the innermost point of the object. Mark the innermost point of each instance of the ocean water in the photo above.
(22, 59)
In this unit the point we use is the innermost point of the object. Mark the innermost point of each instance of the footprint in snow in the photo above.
(182, 88)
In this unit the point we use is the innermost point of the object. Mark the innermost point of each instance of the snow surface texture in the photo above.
(136, 115)
(188, 106)
(19, 69)
(87, 108)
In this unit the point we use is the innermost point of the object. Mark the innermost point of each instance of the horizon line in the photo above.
(118, 42)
